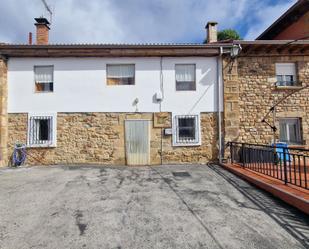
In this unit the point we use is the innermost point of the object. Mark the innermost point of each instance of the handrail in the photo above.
(282, 163)
(267, 146)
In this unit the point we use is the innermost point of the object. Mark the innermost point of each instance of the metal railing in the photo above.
(286, 164)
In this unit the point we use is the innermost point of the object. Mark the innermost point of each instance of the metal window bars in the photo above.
(193, 129)
(40, 130)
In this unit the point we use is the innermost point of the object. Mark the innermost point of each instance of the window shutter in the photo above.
(43, 74)
(185, 73)
(120, 71)
(285, 69)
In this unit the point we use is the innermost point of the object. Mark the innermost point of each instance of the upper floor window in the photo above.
(185, 77)
(121, 74)
(42, 130)
(286, 74)
(290, 130)
(186, 130)
(44, 78)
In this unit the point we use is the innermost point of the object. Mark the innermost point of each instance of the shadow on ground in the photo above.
(292, 220)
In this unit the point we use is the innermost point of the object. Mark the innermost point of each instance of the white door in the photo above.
(137, 142)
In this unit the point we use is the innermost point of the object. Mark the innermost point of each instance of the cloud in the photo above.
(134, 21)
(264, 16)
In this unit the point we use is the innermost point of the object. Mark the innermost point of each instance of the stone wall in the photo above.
(250, 92)
(98, 138)
(3, 112)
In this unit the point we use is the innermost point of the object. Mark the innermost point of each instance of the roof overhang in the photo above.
(274, 47)
(112, 50)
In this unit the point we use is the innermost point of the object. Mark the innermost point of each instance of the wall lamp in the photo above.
(235, 50)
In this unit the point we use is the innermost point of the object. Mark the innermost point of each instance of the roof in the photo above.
(292, 15)
(112, 50)
(287, 47)
(274, 47)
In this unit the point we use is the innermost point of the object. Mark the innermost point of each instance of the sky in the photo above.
(137, 21)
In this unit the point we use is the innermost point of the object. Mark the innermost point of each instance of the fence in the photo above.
(286, 164)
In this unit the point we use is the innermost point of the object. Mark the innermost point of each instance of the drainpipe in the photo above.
(219, 85)
(234, 52)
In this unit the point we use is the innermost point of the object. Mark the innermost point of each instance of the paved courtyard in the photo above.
(142, 207)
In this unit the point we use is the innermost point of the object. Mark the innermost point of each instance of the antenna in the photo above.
(48, 10)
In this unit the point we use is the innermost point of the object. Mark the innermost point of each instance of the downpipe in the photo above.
(219, 96)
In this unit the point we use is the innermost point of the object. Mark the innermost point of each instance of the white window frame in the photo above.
(284, 70)
(288, 121)
(45, 92)
(186, 64)
(53, 142)
(121, 64)
(198, 139)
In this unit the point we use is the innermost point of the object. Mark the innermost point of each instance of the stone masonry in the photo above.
(98, 138)
(3, 112)
(250, 91)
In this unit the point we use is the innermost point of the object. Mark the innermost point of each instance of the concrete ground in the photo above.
(142, 207)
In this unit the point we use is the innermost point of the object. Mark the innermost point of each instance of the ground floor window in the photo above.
(290, 130)
(186, 130)
(42, 130)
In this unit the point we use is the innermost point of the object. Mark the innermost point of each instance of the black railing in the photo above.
(289, 165)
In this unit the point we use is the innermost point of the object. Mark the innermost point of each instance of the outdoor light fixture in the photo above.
(235, 50)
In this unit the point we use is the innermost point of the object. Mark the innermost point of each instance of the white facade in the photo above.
(80, 86)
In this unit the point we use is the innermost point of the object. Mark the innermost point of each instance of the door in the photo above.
(137, 142)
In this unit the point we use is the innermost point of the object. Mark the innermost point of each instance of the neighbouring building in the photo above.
(272, 69)
(152, 103)
(292, 25)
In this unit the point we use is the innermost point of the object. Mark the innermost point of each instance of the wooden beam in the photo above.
(109, 52)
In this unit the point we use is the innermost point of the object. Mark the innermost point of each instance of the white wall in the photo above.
(80, 86)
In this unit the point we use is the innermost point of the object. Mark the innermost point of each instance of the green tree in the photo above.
(227, 34)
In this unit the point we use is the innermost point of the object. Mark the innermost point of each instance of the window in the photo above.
(185, 77)
(290, 130)
(41, 130)
(186, 130)
(120, 74)
(286, 74)
(44, 78)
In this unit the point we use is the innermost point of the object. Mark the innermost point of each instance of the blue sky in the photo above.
(137, 21)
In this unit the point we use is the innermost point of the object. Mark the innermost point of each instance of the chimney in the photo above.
(212, 35)
(30, 38)
(42, 29)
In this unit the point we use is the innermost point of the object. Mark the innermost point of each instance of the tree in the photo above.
(228, 34)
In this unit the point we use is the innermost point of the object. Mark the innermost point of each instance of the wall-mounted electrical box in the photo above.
(158, 96)
(168, 131)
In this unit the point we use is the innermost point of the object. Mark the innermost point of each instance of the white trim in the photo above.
(54, 129)
(197, 131)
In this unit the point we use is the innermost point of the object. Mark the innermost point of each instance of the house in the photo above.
(292, 25)
(272, 69)
(111, 104)
(154, 103)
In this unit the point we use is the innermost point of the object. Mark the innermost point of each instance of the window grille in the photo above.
(187, 129)
(40, 130)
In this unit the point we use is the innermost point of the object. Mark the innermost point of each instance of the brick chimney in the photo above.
(42, 30)
(212, 35)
